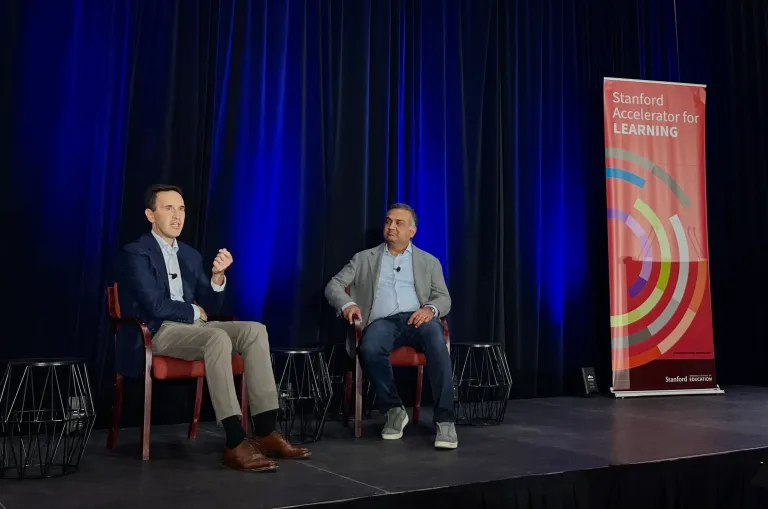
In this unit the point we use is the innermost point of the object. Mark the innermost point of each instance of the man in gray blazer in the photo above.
(398, 292)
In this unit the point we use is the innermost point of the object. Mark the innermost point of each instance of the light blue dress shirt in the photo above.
(170, 255)
(396, 290)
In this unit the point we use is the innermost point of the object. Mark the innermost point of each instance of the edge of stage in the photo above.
(598, 452)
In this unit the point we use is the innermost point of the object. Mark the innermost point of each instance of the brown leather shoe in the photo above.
(275, 445)
(246, 457)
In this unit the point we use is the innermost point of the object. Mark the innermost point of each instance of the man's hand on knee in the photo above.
(203, 315)
(421, 317)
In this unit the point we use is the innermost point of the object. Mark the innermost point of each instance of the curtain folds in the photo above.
(291, 125)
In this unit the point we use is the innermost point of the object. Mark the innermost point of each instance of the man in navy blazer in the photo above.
(163, 282)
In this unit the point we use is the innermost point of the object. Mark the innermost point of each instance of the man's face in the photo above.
(168, 217)
(397, 226)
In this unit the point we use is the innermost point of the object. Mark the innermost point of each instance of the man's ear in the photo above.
(150, 215)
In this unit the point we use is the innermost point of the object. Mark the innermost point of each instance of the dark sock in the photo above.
(264, 423)
(234, 431)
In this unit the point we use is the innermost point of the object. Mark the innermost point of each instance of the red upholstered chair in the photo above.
(160, 367)
(405, 356)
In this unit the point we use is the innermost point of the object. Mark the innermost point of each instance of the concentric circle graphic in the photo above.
(666, 294)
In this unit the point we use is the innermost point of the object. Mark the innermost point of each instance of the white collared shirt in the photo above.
(175, 284)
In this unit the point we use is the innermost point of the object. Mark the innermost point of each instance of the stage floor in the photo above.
(540, 436)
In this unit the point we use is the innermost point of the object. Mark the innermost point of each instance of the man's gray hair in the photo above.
(405, 206)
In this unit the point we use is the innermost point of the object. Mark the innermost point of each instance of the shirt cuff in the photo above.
(345, 306)
(434, 310)
(219, 288)
(197, 312)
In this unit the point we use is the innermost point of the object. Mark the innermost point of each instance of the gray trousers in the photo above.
(214, 343)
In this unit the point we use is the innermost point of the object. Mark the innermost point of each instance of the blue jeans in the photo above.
(386, 334)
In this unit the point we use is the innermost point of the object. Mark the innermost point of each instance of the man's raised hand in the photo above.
(222, 261)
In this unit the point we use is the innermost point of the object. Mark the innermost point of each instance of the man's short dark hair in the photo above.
(405, 206)
(150, 199)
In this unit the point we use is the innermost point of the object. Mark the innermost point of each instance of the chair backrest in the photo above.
(113, 303)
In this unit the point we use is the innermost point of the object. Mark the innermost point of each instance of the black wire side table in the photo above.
(46, 417)
(338, 364)
(341, 369)
(482, 383)
(304, 392)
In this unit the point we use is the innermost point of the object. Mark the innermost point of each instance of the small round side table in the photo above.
(304, 392)
(46, 417)
(482, 383)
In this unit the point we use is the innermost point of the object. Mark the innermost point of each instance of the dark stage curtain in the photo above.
(292, 124)
(737, 130)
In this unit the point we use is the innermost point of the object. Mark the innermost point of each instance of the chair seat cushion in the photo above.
(406, 356)
(166, 368)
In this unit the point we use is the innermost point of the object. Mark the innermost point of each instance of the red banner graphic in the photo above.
(661, 317)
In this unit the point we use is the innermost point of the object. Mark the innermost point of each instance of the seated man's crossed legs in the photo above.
(379, 339)
(214, 343)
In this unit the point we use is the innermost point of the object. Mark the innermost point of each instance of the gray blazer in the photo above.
(361, 276)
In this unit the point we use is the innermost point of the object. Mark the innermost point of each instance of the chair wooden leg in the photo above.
(196, 413)
(117, 407)
(358, 398)
(347, 398)
(417, 404)
(244, 402)
(147, 414)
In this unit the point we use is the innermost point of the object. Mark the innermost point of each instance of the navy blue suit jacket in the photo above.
(144, 293)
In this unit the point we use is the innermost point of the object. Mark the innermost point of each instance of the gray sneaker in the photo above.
(397, 418)
(446, 437)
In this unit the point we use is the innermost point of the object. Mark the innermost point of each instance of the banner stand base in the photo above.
(671, 392)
